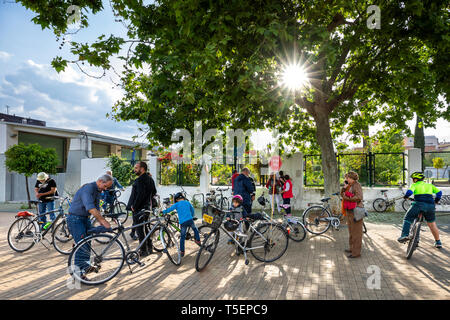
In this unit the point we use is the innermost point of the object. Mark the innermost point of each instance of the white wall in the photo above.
(91, 169)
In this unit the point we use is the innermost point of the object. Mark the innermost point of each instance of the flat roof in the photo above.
(76, 133)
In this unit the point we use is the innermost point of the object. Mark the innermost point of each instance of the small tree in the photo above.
(30, 159)
(438, 163)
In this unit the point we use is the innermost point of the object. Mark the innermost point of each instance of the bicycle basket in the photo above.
(212, 216)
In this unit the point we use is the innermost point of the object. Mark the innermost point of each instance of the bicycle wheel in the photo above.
(171, 246)
(297, 232)
(103, 258)
(380, 205)
(22, 234)
(406, 204)
(269, 246)
(316, 219)
(414, 241)
(121, 207)
(157, 241)
(62, 239)
(207, 249)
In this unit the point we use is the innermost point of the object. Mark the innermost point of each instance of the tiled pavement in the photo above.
(316, 268)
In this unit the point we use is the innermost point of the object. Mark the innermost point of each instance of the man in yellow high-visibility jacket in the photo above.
(423, 202)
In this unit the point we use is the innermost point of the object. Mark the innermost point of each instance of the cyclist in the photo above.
(423, 202)
(186, 215)
(108, 195)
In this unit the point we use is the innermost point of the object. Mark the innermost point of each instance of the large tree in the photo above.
(219, 62)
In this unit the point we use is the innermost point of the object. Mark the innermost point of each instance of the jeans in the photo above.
(45, 207)
(78, 226)
(428, 210)
(184, 226)
(247, 207)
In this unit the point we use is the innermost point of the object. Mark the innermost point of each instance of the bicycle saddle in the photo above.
(384, 190)
(34, 201)
(325, 199)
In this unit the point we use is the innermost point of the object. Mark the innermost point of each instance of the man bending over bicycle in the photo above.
(423, 202)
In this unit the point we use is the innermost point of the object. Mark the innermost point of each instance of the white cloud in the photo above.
(5, 55)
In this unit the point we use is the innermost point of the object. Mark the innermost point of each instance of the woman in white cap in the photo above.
(44, 189)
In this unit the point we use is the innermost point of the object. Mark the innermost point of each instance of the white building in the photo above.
(71, 147)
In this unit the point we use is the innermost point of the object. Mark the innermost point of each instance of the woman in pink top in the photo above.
(287, 193)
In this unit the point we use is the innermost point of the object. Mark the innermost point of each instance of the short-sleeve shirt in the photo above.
(44, 187)
(86, 198)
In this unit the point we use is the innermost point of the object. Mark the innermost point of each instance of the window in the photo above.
(127, 153)
(100, 150)
(57, 143)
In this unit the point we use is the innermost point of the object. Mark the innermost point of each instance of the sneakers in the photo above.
(403, 239)
(182, 253)
(438, 244)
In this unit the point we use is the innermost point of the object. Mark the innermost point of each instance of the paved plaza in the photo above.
(316, 268)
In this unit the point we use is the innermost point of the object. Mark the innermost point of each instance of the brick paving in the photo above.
(316, 268)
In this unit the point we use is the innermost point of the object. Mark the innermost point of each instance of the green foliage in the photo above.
(30, 159)
(221, 174)
(219, 62)
(121, 169)
(438, 163)
(168, 173)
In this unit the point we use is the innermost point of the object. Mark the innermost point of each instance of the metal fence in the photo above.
(436, 167)
(374, 169)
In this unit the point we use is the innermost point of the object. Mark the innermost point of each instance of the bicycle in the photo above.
(107, 253)
(318, 219)
(116, 207)
(382, 204)
(27, 230)
(260, 244)
(295, 228)
(414, 233)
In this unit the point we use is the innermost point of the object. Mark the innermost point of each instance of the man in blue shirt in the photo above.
(186, 213)
(84, 203)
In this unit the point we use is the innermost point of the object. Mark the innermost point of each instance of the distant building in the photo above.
(16, 119)
(431, 143)
(71, 147)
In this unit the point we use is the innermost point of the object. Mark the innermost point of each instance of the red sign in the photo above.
(275, 163)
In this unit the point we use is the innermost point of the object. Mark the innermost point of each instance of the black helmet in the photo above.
(231, 225)
(179, 195)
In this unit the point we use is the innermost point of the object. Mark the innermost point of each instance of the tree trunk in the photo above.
(28, 192)
(329, 162)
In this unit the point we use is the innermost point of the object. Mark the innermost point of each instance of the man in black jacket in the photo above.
(140, 199)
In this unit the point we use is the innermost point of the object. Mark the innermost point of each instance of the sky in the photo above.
(72, 100)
